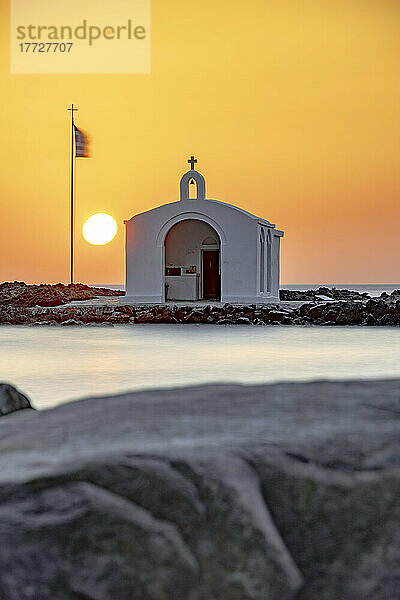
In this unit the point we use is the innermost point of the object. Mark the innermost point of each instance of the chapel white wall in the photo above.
(238, 234)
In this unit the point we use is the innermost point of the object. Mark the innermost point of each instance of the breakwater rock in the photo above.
(380, 311)
(373, 312)
(324, 292)
(219, 492)
(18, 293)
(11, 400)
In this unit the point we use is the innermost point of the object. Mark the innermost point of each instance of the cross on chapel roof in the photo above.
(192, 161)
(193, 177)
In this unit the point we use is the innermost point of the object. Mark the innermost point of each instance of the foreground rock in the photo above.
(11, 400)
(229, 492)
(18, 293)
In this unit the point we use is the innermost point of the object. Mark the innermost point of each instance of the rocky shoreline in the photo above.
(321, 294)
(21, 305)
(18, 293)
(372, 312)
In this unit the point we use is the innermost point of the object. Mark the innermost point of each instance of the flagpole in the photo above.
(72, 183)
(72, 198)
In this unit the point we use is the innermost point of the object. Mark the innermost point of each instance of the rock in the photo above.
(20, 294)
(258, 321)
(113, 549)
(144, 317)
(370, 320)
(71, 322)
(120, 318)
(277, 315)
(316, 312)
(350, 312)
(195, 316)
(389, 320)
(330, 316)
(299, 321)
(11, 400)
(377, 308)
(278, 492)
(296, 295)
(243, 321)
(322, 294)
(393, 295)
(338, 313)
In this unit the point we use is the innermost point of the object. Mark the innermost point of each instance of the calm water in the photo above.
(55, 364)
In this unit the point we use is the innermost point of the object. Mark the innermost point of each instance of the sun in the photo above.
(99, 229)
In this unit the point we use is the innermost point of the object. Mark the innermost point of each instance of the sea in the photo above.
(53, 365)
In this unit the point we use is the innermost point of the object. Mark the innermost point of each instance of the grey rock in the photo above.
(377, 308)
(71, 322)
(79, 540)
(220, 492)
(243, 321)
(11, 400)
(350, 309)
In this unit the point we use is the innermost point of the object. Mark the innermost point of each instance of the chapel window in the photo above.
(269, 261)
(209, 241)
(192, 189)
(262, 260)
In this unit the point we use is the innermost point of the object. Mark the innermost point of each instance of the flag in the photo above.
(81, 143)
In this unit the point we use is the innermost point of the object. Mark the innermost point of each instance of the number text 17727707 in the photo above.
(45, 46)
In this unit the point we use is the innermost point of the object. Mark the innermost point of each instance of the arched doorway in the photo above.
(192, 261)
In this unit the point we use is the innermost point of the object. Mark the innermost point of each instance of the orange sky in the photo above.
(291, 107)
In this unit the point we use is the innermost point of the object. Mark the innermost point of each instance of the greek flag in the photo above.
(81, 143)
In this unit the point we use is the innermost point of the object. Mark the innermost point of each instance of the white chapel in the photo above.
(198, 249)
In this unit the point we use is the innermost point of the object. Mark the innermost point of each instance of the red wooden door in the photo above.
(211, 274)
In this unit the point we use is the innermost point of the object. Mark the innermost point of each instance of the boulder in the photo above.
(350, 314)
(11, 400)
(144, 317)
(195, 316)
(243, 321)
(378, 308)
(279, 316)
(71, 322)
(370, 320)
(390, 320)
(18, 293)
(278, 492)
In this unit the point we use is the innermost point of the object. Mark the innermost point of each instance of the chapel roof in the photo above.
(178, 204)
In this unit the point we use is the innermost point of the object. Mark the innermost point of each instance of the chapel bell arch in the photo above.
(185, 184)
